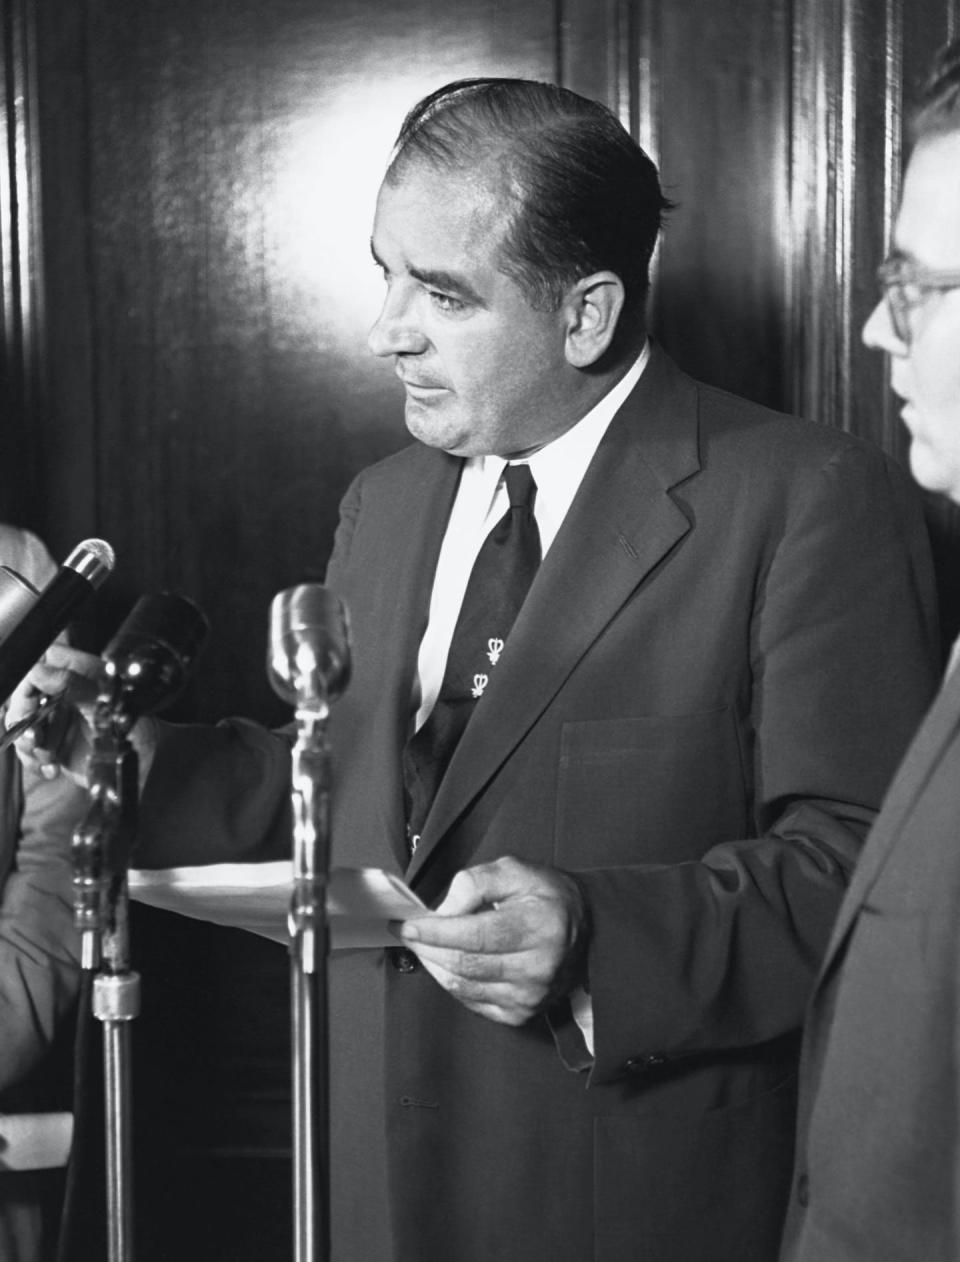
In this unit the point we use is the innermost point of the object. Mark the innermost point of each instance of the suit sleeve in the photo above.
(39, 948)
(221, 794)
(710, 955)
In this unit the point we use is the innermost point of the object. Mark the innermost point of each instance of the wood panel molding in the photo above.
(22, 317)
(610, 52)
(855, 64)
(647, 119)
(890, 436)
(823, 174)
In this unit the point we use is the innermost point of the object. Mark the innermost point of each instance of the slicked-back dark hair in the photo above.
(938, 108)
(580, 194)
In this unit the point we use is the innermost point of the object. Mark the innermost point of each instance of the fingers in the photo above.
(487, 931)
(57, 741)
(516, 925)
(41, 681)
(521, 980)
(521, 960)
(503, 939)
(56, 745)
(465, 895)
(503, 906)
(64, 658)
(485, 884)
(502, 1002)
(74, 676)
(25, 715)
(61, 671)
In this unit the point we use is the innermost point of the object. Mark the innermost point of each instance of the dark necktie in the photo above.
(498, 583)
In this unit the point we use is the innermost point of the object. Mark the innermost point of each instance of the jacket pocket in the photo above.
(707, 1188)
(647, 789)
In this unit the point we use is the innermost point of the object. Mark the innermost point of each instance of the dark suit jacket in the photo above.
(879, 1147)
(39, 947)
(717, 668)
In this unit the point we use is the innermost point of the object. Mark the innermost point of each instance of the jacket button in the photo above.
(403, 960)
(803, 1189)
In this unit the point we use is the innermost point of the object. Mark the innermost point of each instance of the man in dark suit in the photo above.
(878, 1154)
(39, 957)
(641, 839)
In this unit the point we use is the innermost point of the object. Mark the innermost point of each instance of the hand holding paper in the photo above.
(507, 941)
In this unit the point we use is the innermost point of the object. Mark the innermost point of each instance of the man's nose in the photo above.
(879, 333)
(396, 331)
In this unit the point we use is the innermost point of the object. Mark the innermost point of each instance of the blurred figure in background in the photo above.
(39, 950)
(877, 1176)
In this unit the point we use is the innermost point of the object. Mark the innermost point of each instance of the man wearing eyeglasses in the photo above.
(877, 1175)
(919, 323)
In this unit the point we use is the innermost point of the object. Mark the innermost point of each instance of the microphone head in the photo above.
(93, 559)
(308, 656)
(149, 659)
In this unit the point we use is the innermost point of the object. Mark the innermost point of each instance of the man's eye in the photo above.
(446, 302)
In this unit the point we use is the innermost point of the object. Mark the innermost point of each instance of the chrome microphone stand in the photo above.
(309, 665)
(143, 667)
(100, 847)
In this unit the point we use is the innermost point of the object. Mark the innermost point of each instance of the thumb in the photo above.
(483, 886)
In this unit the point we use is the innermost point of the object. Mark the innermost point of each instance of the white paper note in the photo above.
(256, 897)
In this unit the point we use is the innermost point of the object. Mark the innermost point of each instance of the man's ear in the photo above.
(593, 306)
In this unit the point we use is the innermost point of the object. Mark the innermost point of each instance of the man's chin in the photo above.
(431, 428)
(933, 472)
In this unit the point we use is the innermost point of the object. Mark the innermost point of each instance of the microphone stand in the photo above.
(101, 845)
(309, 947)
(308, 664)
(143, 667)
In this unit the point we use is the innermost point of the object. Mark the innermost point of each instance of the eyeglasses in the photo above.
(906, 286)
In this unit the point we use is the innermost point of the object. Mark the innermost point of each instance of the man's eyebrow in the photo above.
(450, 282)
(437, 279)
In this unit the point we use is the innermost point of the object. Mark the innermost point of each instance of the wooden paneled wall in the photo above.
(185, 341)
(857, 65)
(21, 262)
(184, 213)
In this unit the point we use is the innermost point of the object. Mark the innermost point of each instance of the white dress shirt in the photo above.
(480, 502)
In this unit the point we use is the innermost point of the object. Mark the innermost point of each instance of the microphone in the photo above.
(308, 656)
(25, 643)
(149, 659)
(143, 667)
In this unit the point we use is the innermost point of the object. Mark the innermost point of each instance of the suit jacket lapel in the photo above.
(620, 525)
(412, 512)
(918, 765)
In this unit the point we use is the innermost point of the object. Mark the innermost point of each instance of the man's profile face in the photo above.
(926, 373)
(482, 370)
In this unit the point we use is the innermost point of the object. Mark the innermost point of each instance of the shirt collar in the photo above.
(575, 448)
(582, 438)
(558, 467)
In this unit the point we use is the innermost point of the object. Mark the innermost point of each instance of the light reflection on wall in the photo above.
(327, 164)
